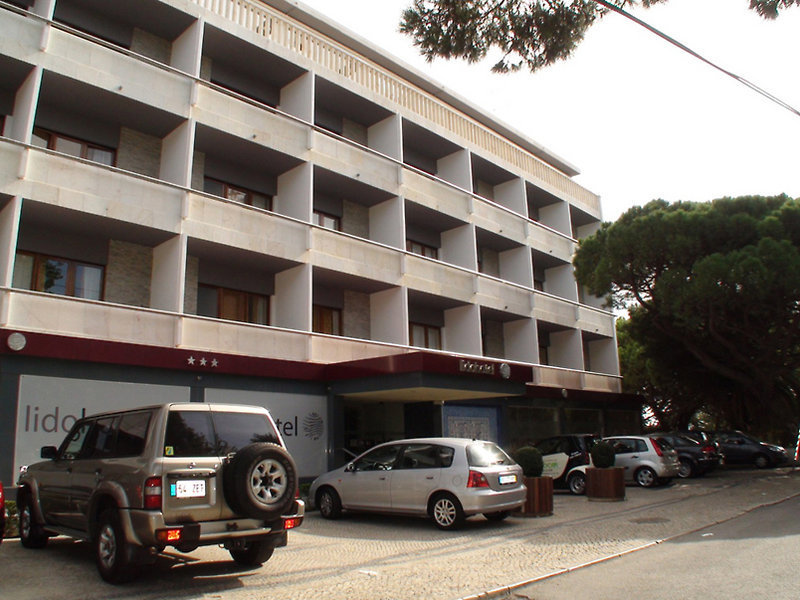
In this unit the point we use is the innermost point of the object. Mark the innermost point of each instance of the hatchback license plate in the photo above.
(190, 489)
(507, 479)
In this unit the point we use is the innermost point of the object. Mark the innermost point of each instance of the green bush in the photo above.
(530, 459)
(603, 455)
(11, 520)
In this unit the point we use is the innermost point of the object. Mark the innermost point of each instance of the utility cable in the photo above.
(688, 50)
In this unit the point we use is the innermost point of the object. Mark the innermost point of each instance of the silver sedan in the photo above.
(447, 479)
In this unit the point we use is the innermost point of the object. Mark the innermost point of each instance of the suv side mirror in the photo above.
(48, 452)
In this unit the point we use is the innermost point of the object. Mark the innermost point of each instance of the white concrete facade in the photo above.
(192, 94)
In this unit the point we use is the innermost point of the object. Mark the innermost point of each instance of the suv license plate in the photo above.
(190, 489)
(507, 479)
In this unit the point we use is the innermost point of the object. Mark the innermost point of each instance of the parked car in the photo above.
(447, 479)
(741, 449)
(696, 458)
(184, 475)
(565, 459)
(647, 461)
(699, 435)
(2, 512)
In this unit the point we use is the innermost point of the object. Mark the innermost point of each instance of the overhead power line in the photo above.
(688, 50)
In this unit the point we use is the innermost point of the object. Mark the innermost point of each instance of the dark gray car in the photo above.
(741, 449)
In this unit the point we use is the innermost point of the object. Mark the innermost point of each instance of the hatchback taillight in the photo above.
(657, 447)
(152, 493)
(477, 480)
(708, 450)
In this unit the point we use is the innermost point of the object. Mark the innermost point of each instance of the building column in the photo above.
(168, 280)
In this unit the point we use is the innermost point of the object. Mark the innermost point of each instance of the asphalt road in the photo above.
(754, 556)
(369, 557)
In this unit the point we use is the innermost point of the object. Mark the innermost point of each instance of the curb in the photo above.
(504, 591)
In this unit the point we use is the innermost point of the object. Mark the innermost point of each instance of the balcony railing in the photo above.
(282, 30)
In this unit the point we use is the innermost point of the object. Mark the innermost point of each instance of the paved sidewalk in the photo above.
(587, 533)
(372, 557)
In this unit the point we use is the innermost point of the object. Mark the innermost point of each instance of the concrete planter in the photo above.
(539, 499)
(605, 485)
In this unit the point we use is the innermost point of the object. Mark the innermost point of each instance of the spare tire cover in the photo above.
(260, 481)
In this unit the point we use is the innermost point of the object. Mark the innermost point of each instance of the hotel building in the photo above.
(239, 201)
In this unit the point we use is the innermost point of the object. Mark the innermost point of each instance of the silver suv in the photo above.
(183, 475)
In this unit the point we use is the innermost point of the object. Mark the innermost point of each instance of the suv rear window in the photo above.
(487, 454)
(201, 433)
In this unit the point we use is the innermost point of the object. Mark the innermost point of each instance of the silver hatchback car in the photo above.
(647, 461)
(447, 479)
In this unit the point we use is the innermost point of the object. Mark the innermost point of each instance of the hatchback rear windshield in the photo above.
(202, 433)
(487, 454)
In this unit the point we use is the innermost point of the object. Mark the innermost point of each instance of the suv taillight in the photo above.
(477, 480)
(152, 493)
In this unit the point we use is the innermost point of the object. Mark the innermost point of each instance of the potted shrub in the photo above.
(539, 499)
(604, 481)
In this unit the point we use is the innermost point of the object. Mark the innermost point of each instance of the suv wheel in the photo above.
(111, 549)
(253, 554)
(447, 512)
(31, 534)
(577, 483)
(260, 481)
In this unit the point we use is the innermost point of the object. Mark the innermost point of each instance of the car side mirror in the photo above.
(349, 468)
(49, 452)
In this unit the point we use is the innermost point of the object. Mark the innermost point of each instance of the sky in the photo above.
(639, 118)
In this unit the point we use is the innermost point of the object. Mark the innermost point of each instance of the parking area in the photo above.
(375, 557)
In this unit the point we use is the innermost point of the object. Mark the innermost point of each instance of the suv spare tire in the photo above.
(260, 481)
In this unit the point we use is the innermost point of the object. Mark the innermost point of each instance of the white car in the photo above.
(447, 479)
(647, 461)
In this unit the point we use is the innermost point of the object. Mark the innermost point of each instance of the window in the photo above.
(237, 430)
(189, 433)
(327, 221)
(72, 446)
(426, 456)
(132, 433)
(72, 146)
(326, 320)
(487, 454)
(426, 336)
(629, 446)
(379, 459)
(101, 441)
(422, 249)
(58, 276)
(203, 433)
(237, 194)
(232, 305)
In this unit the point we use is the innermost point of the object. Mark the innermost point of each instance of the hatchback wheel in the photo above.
(329, 503)
(646, 477)
(447, 512)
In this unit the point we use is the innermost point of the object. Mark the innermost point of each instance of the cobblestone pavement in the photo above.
(367, 557)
